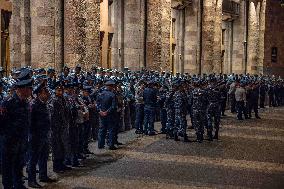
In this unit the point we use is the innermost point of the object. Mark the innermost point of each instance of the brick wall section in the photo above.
(165, 34)
(15, 34)
(158, 34)
(75, 33)
(211, 44)
(92, 33)
(274, 37)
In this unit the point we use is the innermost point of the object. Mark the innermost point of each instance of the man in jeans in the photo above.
(240, 96)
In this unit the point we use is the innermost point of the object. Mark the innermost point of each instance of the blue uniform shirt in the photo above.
(106, 101)
(150, 97)
(15, 117)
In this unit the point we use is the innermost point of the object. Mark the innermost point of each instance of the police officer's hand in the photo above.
(2, 111)
(103, 114)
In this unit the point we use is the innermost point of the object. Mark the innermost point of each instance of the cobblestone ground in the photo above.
(250, 154)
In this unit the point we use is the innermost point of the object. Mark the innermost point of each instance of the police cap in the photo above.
(58, 85)
(110, 82)
(38, 88)
(25, 74)
(24, 83)
(50, 70)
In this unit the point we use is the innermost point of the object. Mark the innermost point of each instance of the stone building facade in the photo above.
(194, 36)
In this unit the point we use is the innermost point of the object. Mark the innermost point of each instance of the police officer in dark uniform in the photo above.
(213, 109)
(65, 74)
(59, 123)
(262, 93)
(199, 105)
(72, 157)
(15, 130)
(169, 105)
(51, 78)
(39, 137)
(87, 124)
(253, 100)
(118, 113)
(150, 103)
(224, 98)
(180, 106)
(163, 112)
(2, 97)
(106, 106)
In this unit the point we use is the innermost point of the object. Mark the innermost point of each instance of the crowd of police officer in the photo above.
(43, 111)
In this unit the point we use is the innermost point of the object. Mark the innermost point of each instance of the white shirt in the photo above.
(240, 94)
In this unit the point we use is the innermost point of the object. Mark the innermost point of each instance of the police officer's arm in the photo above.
(3, 116)
(34, 109)
(113, 105)
(99, 104)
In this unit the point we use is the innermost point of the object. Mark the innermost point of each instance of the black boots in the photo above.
(176, 136)
(216, 136)
(185, 138)
(210, 136)
(200, 138)
(34, 185)
(257, 116)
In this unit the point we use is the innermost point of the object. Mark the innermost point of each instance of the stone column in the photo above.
(15, 34)
(165, 34)
(25, 33)
(58, 35)
(261, 36)
(252, 39)
(133, 32)
(191, 38)
(217, 52)
(238, 42)
(212, 24)
(118, 25)
(158, 39)
(208, 37)
(92, 33)
(153, 46)
(42, 33)
(75, 33)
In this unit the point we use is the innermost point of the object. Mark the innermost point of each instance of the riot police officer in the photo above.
(199, 105)
(180, 106)
(213, 109)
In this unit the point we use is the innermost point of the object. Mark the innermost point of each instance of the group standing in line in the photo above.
(43, 112)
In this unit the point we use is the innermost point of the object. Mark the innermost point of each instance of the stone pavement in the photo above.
(250, 154)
